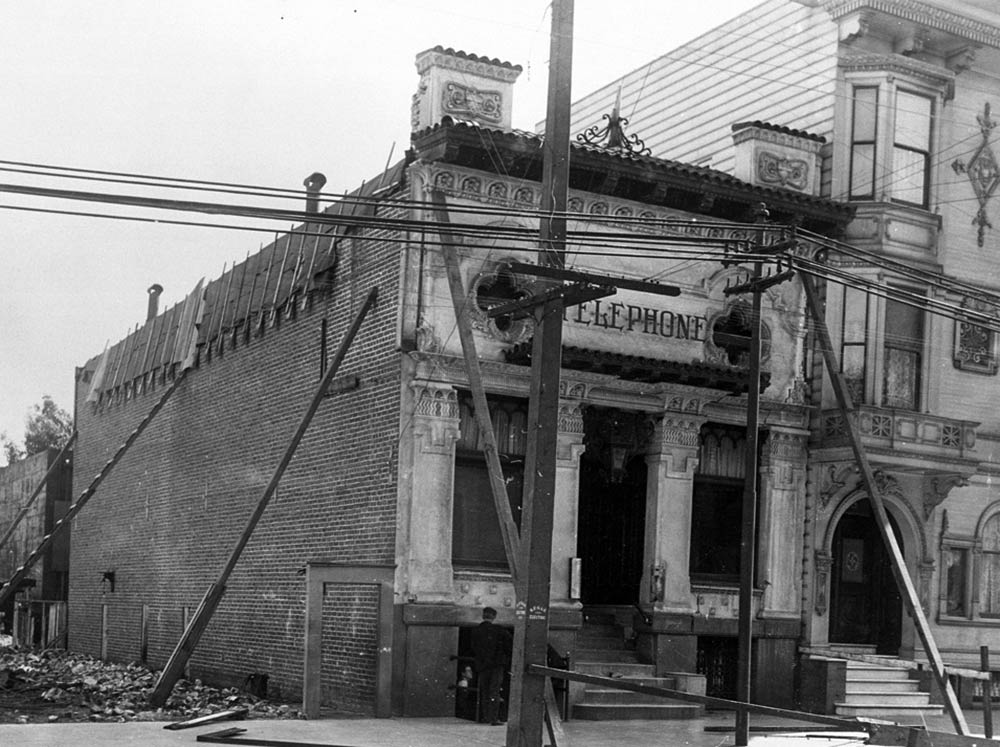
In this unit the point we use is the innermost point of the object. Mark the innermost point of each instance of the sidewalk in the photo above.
(436, 732)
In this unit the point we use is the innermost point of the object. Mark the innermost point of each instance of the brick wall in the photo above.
(168, 516)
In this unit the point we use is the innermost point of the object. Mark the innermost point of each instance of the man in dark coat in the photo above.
(491, 650)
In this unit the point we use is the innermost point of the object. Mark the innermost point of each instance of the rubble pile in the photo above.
(65, 686)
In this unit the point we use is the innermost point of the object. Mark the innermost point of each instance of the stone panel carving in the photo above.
(468, 102)
(780, 171)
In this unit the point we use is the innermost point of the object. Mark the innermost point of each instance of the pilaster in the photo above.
(782, 513)
(435, 431)
(666, 582)
(569, 448)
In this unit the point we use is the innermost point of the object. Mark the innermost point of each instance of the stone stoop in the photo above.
(874, 691)
(601, 650)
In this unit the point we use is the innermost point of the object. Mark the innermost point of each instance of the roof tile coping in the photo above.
(472, 57)
(778, 128)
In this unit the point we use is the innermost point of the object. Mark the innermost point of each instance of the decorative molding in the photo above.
(834, 478)
(872, 62)
(784, 446)
(823, 563)
(435, 417)
(923, 13)
(427, 338)
(975, 348)
(514, 331)
(680, 403)
(925, 570)
(773, 136)
(456, 181)
(435, 401)
(775, 169)
(570, 417)
(570, 389)
(467, 101)
(674, 431)
(468, 64)
(983, 171)
(937, 487)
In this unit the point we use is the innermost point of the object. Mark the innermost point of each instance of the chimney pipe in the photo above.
(152, 307)
(313, 184)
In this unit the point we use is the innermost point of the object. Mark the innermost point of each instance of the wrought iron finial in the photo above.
(612, 136)
(983, 171)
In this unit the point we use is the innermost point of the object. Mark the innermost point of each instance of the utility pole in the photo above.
(748, 536)
(527, 701)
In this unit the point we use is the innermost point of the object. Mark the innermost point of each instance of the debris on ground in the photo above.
(55, 685)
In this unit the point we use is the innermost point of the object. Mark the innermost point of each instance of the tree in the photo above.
(48, 425)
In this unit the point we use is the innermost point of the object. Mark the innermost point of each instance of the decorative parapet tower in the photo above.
(772, 156)
(463, 86)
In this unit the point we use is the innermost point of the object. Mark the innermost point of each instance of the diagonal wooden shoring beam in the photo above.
(459, 298)
(899, 571)
(38, 489)
(213, 595)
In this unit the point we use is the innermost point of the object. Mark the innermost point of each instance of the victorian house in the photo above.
(899, 94)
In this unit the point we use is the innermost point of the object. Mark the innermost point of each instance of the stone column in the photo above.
(673, 457)
(567, 500)
(782, 513)
(435, 431)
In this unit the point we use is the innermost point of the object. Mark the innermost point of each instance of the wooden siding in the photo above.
(775, 63)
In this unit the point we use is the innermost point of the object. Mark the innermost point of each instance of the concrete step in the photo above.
(878, 711)
(886, 686)
(591, 655)
(620, 712)
(615, 668)
(886, 698)
(610, 696)
(856, 672)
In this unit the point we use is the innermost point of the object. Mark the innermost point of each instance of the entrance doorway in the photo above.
(865, 604)
(612, 504)
(610, 539)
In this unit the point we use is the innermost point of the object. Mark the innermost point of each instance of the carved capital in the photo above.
(673, 431)
(435, 415)
(571, 417)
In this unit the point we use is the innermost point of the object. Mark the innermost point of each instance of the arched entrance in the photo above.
(865, 604)
(610, 533)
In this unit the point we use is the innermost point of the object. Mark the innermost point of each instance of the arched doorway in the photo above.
(612, 518)
(865, 604)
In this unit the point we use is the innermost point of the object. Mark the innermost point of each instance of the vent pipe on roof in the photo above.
(153, 305)
(313, 184)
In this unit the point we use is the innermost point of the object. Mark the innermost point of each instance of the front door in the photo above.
(611, 529)
(865, 604)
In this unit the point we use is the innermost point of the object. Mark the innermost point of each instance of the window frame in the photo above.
(888, 75)
(898, 146)
(469, 457)
(919, 348)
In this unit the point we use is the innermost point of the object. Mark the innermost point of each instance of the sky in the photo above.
(258, 92)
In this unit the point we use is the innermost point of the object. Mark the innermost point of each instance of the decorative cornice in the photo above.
(456, 181)
(933, 75)
(922, 13)
(778, 135)
(464, 62)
